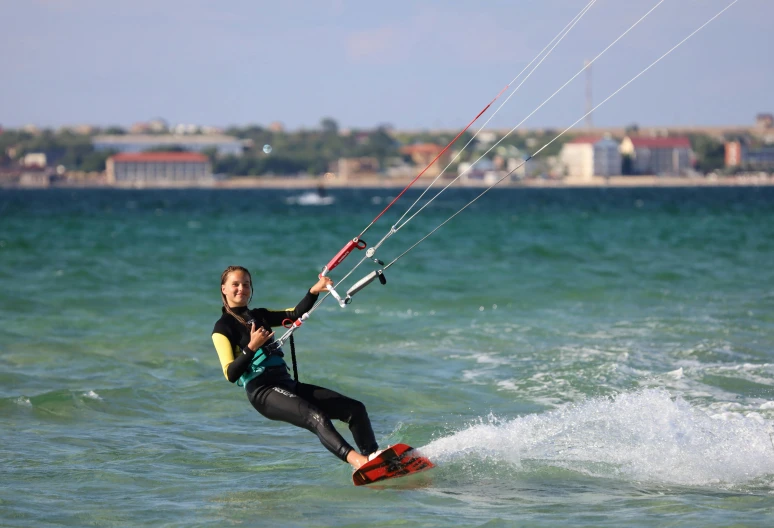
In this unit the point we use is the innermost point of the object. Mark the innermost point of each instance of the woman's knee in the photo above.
(357, 411)
(316, 420)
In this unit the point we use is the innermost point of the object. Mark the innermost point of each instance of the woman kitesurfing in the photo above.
(251, 357)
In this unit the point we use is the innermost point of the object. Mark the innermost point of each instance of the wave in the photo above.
(647, 436)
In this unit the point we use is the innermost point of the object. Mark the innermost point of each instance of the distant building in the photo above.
(185, 129)
(577, 156)
(35, 178)
(423, 153)
(484, 171)
(84, 130)
(658, 155)
(735, 152)
(225, 145)
(348, 167)
(139, 128)
(588, 156)
(156, 126)
(487, 137)
(764, 120)
(520, 167)
(34, 160)
(607, 157)
(159, 168)
(739, 154)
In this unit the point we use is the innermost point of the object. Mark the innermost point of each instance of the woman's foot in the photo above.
(355, 459)
(375, 454)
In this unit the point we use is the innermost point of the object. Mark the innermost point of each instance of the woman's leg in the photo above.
(283, 404)
(339, 407)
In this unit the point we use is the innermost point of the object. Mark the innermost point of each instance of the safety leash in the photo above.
(293, 356)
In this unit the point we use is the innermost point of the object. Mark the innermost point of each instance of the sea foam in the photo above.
(644, 436)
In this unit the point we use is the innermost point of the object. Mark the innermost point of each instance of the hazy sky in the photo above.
(412, 64)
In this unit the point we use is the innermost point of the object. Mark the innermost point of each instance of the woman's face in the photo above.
(237, 288)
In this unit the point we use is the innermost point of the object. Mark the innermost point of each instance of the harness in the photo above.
(270, 356)
(260, 363)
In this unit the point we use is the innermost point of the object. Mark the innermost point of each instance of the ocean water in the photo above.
(589, 357)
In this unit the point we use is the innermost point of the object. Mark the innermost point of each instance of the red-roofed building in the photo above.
(587, 156)
(423, 153)
(159, 168)
(658, 155)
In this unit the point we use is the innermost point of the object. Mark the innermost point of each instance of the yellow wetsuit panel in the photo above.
(225, 351)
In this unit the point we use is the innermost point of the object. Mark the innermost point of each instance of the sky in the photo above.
(412, 65)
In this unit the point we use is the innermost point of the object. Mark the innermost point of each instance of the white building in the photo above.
(658, 155)
(155, 168)
(34, 159)
(607, 157)
(588, 156)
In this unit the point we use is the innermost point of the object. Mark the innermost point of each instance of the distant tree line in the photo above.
(305, 151)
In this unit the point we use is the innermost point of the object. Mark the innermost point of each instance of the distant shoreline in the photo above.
(613, 181)
(313, 183)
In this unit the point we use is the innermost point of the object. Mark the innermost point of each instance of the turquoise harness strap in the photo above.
(258, 366)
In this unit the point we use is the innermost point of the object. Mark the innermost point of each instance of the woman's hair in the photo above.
(223, 278)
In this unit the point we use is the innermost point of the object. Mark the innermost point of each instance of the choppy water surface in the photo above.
(590, 357)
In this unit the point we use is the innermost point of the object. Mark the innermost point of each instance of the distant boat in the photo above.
(318, 197)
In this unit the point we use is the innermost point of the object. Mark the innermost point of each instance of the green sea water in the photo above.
(589, 357)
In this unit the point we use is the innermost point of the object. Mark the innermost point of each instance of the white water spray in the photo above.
(645, 436)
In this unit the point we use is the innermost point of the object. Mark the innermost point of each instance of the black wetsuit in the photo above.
(276, 395)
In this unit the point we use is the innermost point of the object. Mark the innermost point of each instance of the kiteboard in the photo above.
(396, 461)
